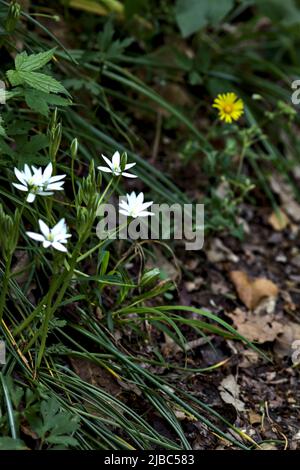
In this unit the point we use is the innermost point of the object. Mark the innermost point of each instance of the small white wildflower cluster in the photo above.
(37, 182)
(56, 236)
(135, 205)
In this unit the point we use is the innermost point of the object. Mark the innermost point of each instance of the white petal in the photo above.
(140, 198)
(109, 163)
(129, 165)
(41, 192)
(124, 212)
(104, 169)
(36, 236)
(27, 171)
(116, 159)
(58, 246)
(56, 178)
(55, 186)
(20, 175)
(46, 244)
(129, 175)
(60, 228)
(30, 198)
(44, 228)
(145, 205)
(131, 198)
(145, 213)
(47, 172)
(20, 187)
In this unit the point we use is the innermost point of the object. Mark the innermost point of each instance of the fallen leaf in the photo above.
(218, 252)
(260, 328)
(229, 391)
(267, 446)
(290, 334)
(254, 418)
(95, 375)
(252, 291)
(287, 197)
(278, 220)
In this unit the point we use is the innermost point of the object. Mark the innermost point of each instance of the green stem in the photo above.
(5, 283)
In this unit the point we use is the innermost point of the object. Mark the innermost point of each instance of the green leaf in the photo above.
(42, 82)
(55, 426)
(286, 12)
(39, 101)
(193, 15)
(36, 80)
(133, 7)
(2, 130)
(8, 443)
(26, 63)
(37, 142)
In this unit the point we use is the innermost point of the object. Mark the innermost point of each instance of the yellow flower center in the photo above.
(228, 108)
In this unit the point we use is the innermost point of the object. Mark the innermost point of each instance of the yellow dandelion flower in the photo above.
(230, 107)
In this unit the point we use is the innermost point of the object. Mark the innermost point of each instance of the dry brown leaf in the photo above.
(229, 391)
(95, 375)
(284, 342)
(278, 220)
(254, 418)
(252, 291)
(287, 197)
(260, 328)
(218, 252)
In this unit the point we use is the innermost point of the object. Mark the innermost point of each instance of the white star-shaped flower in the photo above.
(114, 166)
(56, 236)
(36, 182)
(135, 206)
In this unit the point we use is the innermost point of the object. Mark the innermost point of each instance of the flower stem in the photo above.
(5, 283)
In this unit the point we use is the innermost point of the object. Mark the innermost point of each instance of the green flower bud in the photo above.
(13, 16)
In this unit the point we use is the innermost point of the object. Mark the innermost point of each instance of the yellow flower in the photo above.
(230, 107)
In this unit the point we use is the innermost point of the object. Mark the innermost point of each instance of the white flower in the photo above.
(55, 236)
(36, 182)
(135, 206)
(114, 166)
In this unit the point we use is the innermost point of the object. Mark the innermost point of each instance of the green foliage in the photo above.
(193, 15)
(25, 73)
(53, 425)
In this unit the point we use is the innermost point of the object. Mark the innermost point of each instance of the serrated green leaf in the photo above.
(29, 63)
(14, 77)
(20, 59)
(38, 101)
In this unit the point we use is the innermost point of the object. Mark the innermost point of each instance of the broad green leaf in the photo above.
(36, 80)
(36, 143)
(29, 63)
(39, 101)
(192, 15)
(8, 443)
